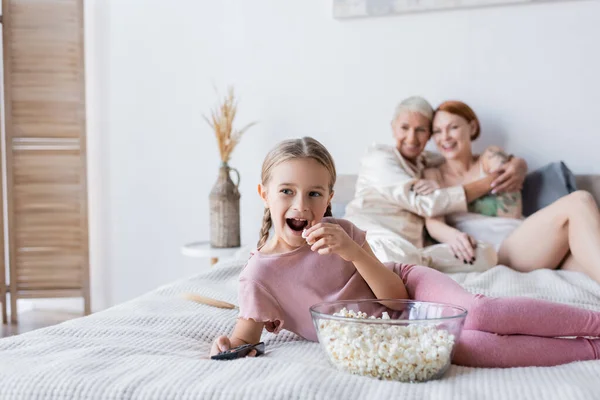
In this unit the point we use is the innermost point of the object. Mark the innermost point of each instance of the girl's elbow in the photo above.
(403, 295)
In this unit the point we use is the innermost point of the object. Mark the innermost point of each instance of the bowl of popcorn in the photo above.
(401, 340)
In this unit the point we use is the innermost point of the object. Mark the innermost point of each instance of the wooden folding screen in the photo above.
(3, 287)
(45, 150)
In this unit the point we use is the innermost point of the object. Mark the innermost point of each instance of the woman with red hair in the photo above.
(564, 234)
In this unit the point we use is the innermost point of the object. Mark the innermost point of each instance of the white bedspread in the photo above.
(155, 347)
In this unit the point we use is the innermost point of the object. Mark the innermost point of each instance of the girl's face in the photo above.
(452, 134)
(297, 195)
(411, 132)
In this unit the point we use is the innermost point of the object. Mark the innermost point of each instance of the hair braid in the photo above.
(264, 230)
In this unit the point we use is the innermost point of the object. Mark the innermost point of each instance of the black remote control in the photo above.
(240, 351)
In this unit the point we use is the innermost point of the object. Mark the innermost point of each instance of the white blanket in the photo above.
(155, 347)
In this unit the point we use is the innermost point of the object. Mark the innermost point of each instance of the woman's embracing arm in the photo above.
(510, 170)
(382, 171)
(472, 190)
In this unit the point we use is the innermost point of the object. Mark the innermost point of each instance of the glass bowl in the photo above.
(401, 340)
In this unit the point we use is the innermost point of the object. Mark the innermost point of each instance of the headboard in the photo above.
(590, 183)
(344, 190)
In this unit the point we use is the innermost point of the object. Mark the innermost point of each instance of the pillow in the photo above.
(545, 185)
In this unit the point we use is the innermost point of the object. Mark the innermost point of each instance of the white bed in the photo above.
(155, 347)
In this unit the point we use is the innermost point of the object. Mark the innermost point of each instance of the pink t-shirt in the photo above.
(279, 289)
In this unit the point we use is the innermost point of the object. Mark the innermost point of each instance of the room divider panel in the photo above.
(45, 144)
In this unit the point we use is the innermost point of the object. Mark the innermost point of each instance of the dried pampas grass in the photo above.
(221, 121)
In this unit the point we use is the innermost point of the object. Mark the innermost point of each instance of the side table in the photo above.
(204, 250)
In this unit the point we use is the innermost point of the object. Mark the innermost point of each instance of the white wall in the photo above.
(529, 71)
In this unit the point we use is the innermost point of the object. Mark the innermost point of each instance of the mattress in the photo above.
(156, 347)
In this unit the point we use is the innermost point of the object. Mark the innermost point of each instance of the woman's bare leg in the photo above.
(569, 264)
(571, 223)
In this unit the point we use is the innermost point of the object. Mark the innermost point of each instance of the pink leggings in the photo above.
(509, 331)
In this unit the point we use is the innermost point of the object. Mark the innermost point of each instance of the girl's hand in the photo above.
(222, 343)
(326, 238)
(425, 186)
(463, 246)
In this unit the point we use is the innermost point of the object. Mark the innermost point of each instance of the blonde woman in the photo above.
(388, 207)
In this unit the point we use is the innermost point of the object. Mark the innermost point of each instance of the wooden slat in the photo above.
(46, 149)
(51, 282)
(3, 287)
(32, 294)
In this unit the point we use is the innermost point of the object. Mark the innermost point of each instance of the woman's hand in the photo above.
(463, 246)
(425, 186)
(326, 238)
(512, 176)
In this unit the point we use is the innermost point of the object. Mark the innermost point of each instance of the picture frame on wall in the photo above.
(368, 8)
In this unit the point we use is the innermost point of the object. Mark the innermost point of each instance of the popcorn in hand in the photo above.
(408, 353)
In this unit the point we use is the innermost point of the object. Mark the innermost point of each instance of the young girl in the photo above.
(332, 261)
